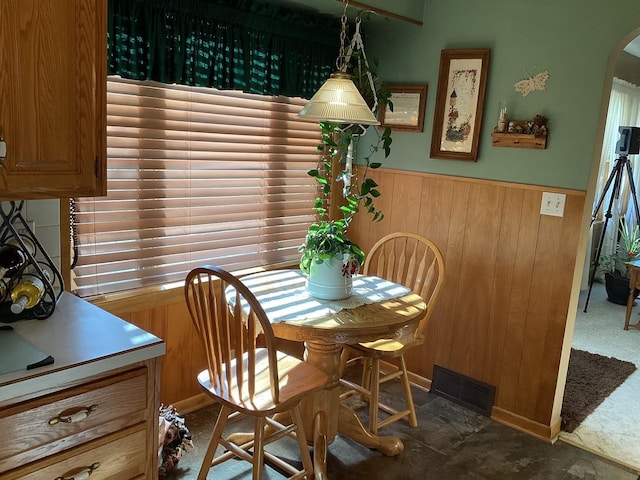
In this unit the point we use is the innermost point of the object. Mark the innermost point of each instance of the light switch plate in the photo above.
(553, 204)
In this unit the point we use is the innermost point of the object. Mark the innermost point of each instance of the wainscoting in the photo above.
(503, 313)
(502, 316)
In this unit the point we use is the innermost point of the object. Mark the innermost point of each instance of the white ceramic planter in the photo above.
(330, 280)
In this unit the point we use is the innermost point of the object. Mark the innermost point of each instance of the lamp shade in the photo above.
(339, 101)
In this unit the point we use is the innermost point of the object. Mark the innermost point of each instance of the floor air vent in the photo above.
(466, 391)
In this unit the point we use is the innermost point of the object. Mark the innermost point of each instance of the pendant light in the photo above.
(338, 100)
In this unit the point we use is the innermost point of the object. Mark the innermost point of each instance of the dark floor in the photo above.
(450, 443)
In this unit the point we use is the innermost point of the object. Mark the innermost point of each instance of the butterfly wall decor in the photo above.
(533, 83)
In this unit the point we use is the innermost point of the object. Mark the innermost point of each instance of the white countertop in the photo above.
(84, 340)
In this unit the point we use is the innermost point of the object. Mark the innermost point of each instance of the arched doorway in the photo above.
(611, 429)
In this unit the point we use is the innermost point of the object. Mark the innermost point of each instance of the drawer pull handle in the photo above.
(82, 474)
(74, 417)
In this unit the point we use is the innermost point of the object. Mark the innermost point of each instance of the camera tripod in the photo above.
(615, 178)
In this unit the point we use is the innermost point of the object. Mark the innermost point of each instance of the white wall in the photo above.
(43, 217)
(46, 217)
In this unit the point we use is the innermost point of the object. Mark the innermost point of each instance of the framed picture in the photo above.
(408, 108)
(459, 103)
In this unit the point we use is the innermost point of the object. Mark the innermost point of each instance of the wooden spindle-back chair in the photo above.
(244, 375)
(415, 262)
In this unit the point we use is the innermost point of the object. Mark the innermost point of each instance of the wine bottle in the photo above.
(27, 293)
(24, 243)
(12, 260)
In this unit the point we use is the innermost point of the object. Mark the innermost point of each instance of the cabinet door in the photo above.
(119, 456)
(52, 98)
(50, 424)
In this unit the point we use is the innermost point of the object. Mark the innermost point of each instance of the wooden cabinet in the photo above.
(48, 424)
(120, 456)
(95, 407)
(105, 426)
(53, 98)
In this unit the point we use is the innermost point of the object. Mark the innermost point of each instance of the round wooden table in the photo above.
(296, 316)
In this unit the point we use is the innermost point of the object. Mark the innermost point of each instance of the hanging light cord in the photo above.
(356, 41)
(341, 64)
(338, 100)
(344, 57)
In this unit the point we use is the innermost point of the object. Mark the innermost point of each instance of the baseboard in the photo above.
(192, 403)
(546, 433)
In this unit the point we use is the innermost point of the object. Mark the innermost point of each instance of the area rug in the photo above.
(591, 378)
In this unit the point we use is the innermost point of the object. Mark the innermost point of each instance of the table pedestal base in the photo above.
(330, 417)
(349, 424)
(320, 446)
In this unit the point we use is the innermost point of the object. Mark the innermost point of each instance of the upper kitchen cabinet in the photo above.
(53, 98)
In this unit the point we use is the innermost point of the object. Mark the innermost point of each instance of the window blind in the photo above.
(194, 176)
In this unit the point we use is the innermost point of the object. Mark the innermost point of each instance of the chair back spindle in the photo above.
(229, 333)
(410, 260)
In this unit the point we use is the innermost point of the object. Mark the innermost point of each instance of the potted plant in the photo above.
(616, 272)
(329, 257)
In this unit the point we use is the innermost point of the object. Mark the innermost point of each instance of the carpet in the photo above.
(591, 378)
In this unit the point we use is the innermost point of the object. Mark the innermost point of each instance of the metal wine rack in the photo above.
(14, 229)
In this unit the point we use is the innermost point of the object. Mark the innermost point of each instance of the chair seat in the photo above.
(384, 348)
(297, 378)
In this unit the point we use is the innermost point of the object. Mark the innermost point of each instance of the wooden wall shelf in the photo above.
(518, 140)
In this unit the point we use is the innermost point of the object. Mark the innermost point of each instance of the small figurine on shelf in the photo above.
(502, 118)
(539, 127)
(529, 128)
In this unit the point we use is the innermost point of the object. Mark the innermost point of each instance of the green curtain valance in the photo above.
(247, 45)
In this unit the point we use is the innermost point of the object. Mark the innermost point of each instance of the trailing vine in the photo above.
(328, 238)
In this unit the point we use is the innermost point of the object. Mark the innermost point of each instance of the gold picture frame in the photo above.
(409, 103)
(459, 106)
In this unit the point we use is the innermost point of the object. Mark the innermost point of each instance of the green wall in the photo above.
(571, 39)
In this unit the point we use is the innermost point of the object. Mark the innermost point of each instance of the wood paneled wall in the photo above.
(502, 316)
(184, 357)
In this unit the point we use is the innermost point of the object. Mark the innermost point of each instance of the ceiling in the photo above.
(407, 10)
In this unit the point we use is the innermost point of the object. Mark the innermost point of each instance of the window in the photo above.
(195, 176)
(624, 110)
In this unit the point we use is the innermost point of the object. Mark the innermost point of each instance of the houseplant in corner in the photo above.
(616, 272)
(329, 257)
